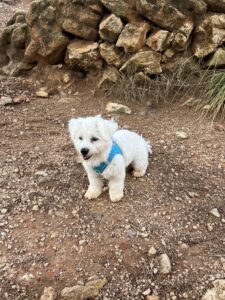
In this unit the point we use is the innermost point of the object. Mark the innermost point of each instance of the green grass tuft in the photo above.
(214, 96)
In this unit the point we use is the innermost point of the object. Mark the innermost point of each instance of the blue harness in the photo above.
(103, 165)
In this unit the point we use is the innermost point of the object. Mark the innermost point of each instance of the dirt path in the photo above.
(51, 236)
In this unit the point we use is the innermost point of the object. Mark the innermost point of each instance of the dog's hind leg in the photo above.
(140, 162)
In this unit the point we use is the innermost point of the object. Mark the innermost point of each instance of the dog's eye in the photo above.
(80, 138)
(94, 139)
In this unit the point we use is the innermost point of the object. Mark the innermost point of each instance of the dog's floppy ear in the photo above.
(73, 126)
(106, 127)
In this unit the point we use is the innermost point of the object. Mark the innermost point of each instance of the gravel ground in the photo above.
(51, 236)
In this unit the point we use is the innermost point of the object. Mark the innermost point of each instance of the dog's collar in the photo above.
(103, 165)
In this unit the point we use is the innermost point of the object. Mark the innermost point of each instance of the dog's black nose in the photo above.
(84, 151)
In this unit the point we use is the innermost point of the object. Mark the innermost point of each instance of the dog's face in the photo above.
(92, 135)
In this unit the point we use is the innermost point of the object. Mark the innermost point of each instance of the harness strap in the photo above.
(115, 150)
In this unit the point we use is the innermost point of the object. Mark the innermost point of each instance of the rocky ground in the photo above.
(51, 236)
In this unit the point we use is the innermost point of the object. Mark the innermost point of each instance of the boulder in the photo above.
(19, 36)
(122, 8)
(217, 292)
(49, 45)
(181, 38)
(191, 7)
(168, 54)
(217, 59)
(161, 13)
(97, 8)
(77, 12)
(16, 62)
(208, 34)
(4, 60)
(110, 75)
(42, 13)
(79, 292)
(84, 55)
(13, 40)
(18, 17)
(133, 37)
(80, 30)
(146, 61)
(47, 39)
(30, 55)
(160, 40)
(181, 64)
(111, 54)
(216, 5)
(6, 34)
(110, 28)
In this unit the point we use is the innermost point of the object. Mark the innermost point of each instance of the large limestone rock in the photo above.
(75, 11)
(160, 40)
(146, 61)
(217, 292)
(181, 38)
(79, 292)
(122, 8)
(5, 35)
(18, 24)
(110, 76)
(110, 28)
(13, 41)
(79, 30)
(180, 64)
(216, 5)
(19, 36)
(111, 54)
(161, 13)
(191, 7)
(217, 60)
(133, 37)
(18, 17)
(50, 46)
(47, 39)
(84, 55)
(209, 34)
(49, 20)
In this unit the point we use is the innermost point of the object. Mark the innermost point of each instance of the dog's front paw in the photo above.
(115, 197)
(92, 193)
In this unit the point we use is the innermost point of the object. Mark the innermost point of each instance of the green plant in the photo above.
(214, 96)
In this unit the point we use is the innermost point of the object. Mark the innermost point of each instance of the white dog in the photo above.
(106, 152)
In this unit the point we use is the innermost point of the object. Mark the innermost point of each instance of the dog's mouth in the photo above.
(87, 157)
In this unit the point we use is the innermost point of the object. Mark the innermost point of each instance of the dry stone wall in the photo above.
(129, 36)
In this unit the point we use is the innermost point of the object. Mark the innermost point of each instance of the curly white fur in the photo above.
(93, 136)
